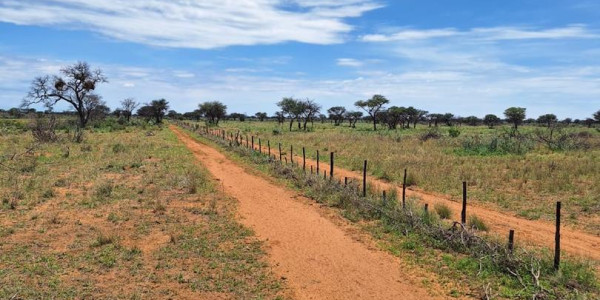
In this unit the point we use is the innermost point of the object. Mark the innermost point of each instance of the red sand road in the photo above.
(530, 232)
(319, 260)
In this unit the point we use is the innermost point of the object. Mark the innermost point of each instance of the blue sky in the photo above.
(464, 57)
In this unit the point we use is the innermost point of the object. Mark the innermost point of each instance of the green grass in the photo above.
(120, 217)
(488, 159)
(462, 263)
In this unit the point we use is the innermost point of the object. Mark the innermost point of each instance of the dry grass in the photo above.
(515, 183)
(123, 215)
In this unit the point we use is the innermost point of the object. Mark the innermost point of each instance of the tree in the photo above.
(15, 112)
(515, 115)
(280, 116)
(261, 116)
(193, 115)
(128, 105)
(310, 109)
(435, 118)
(353, 117)
(238, 116)
(154, 110)
(491, 120)
(472, 120)
(292, 108)
(597, 116)
(588, 122)
(75, 86)
(173, 115)
(547, 119)
(447, 118)
(100, 112)
(373, 106)
(213, 111)
(337, 113)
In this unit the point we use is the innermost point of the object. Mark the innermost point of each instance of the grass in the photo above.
(122, 216)
(513, 174)
(463, 261)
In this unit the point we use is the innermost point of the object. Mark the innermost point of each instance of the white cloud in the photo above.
(202, 24)
(485, 34)
(349, 62)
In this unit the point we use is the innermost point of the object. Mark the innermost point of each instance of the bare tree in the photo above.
(75, 86)
(128, 106)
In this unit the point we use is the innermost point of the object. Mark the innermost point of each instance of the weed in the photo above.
(443, 211)
(477, 223)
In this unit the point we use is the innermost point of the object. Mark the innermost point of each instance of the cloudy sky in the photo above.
(466, 57)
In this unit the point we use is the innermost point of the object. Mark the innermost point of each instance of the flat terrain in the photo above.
(126, 214)
(318, 258)
(525, 185)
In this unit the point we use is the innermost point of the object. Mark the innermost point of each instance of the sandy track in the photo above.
(528, 232)
(319, 260)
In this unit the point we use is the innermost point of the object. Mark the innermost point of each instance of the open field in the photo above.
(126, 214)
(420, 239)
(527, 184)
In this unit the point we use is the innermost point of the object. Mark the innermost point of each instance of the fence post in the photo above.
(463, 213)
(557, 238)
(247, 142)
(259, 146)
(317, 162)
(511, 240)
(345, 181)
(252, 143)
(304, 159)
(331, 165)
(383, 197)
(269, 146)
(404, 190)
(365, 179)
(280, 152)
(311, 170)
(325, 175)
(426, 208)
(292, 154)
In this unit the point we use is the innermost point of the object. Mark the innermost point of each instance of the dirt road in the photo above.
(528, 232)
(319, 260)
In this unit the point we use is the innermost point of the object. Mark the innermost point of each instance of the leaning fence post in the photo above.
(365, 179)
(345, 181)
(557, 238)
(269, 146)
(404, 190)
(331, 165)
(303, 159)
(463, 213)
(280, 159)
(511, 240)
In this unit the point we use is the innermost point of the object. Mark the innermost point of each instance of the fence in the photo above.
(221, 133)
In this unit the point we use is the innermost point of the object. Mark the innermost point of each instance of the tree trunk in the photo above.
(374, 123)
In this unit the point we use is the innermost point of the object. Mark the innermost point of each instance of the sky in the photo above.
(464, 57)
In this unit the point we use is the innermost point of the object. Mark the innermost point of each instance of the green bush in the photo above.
(443, 211)
(454, 132)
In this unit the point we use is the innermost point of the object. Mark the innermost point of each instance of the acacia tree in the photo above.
(213, 110)
(353, 117)
(373, 106)
(310, 109)
(74, 85)
(154, 110)
(597, 116)
(515, 115)
(336, 114)
(128, 105)
(547, 119)
(261, 116)
(491, 120)
(280, 116)
(292, 108)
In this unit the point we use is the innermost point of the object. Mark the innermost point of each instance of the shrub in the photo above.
(443, 211)
(477, 223)
(104, 190)
(454, 132)
(44, 129)
(118, 148)
(433, 133)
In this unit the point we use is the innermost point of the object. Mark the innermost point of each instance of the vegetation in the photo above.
(449, 249)
(126, 214)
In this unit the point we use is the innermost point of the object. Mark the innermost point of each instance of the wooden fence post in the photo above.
(404, 190)
(252, 143)
(426, 208)
(280, 159)
(383, 196)
(292, 154)
(259, 146)
(304, 159)
(317, 162)
(557, 238)
(331, 165)
(345, 181)
(463, 213)
(511, 240)
(365, 179)
(269, 147)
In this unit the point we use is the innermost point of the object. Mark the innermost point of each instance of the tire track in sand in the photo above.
(319, 260)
